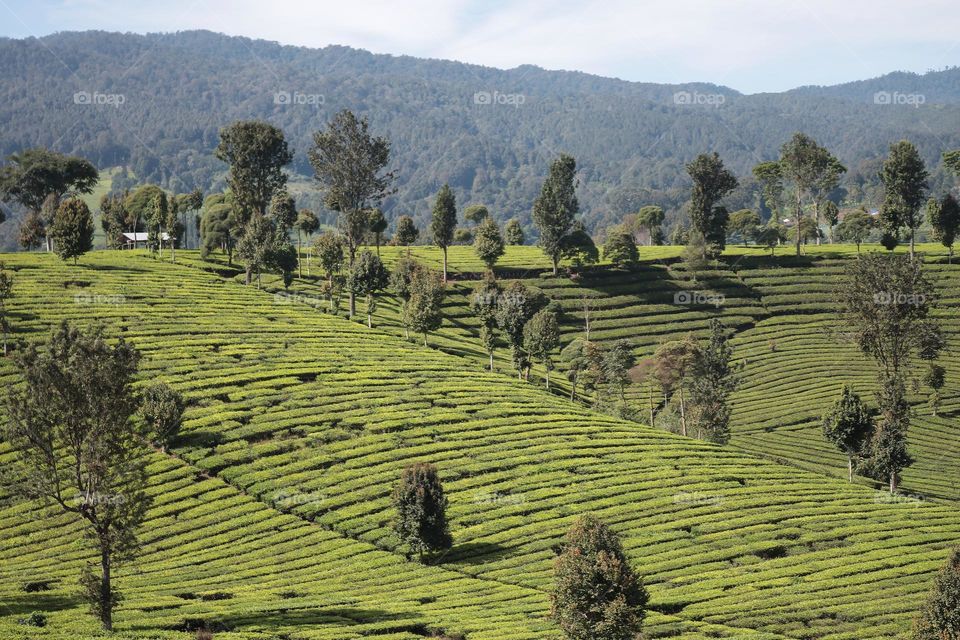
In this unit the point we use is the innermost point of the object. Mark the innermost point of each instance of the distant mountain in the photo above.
(155, 103)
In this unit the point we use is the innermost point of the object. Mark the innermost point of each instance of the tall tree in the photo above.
(34, 175)
(848, 425)
(556, 208)
(488, 243)
(939, 618)
(673, 361)
(72, 231)
(407, 232)
(826, 179)
(596, 596)
(377, 224)
(714, 378)
(711, 183)
(801, 162)
(367, 277)
(746, 223)
(513, 232)
(944, 219)
(770, 176)
(831, 214)
(77, 448)
(113, 219)
(307, 224)
(348, 163)
(574, 357)
(443, 222)
(218, 225)
(421, 506)
(650, 217)
(329, 249)
(6, 292)
(515, 307)
(401, 279)
(904, 176)
(951, 160)
(541, 336)
(32, 231)
(424, 311)
(483, 303)
(283, 211)
(255, 244)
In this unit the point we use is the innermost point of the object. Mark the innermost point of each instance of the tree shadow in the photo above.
(284, 617)
(20, 605)
(471, 553)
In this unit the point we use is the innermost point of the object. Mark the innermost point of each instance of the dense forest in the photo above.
(489, 133)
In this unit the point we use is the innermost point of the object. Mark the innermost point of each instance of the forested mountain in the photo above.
(155, 103)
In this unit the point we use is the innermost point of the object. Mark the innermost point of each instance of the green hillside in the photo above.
(272, 518)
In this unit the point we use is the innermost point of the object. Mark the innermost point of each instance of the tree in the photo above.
(885, 303)
(255, 244)
(807, 230)
(515, 307)
(541, 335)
(904, 177)
(488, 243)
(483, 303)
(307, 224)
(855, 227)
(421, 505)
(578, 246)
(801, 161)
(444, 221)
(939, 618)
(367, 277)
(848, 425)
(620, 249)
(162, 411)
(826, 179)
(746, 223)
(771, 236)
(951, 160)
(174, 227)
(218, 223)
(770, 176)
(714, 378)
(329, 249)
(6, 292)
(831, 213)
(348, 163)
(77, 448)
(400, 282)
(650, 218)
(32, 231)
(113, 219)
(377, 224)
(187, 202)
(556, 208)
(283, 211)
(944, 219)
(407, 232)
(142, 208)
(574, 358)
(34, 175)
(694, 255)
(617, 360)
(256, 152)
(72, 231)
(424, 311)
(283, 257)
(596, 595)
(711, 183)
(935, 378)
(672, 364)
(513, 232)
(476, 213)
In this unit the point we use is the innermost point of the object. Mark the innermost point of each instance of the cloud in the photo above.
(751, 45)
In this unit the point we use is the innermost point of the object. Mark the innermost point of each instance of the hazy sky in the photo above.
(750, 45)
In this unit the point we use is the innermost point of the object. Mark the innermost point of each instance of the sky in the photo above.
(750, 45)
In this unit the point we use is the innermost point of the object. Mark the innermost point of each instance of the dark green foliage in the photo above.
(483, 303)
(578, 246)
(711, 183)
(72, 230)
(377, 225)
(745, 223)
(218, 226)
(616, 361)
(254, 246)
(574, 358)
(476, 213)
(367, 277)
(161, 407)
(515, 306)
(513, 232)
(407, 232)
(444, 221)
(886, 454)
(556, 208)
(113, 219)
(32, 175)
(620, 249)
(769, 175)
(6, 292)
(944, 219)
(848, 425)
(283, 211)
(77, 399)
(940, 617)
(35, 619)
(328, 248)
(714, 378)
(855, 227)
(541, 335)
(256, 153)
(651, 218)
(488, 243)
(935, 378)
(596, 595)
(904, 178)
(423, 312)
(32, 231)
(421, 506)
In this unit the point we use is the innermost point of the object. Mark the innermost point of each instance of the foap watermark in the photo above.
(884, 497)
(296, 298)
(99, 298)
(496, 497)
(99, 99)
(894, 297)
(296, 98)
(903, 99)
(697, 497)
(699, 298)
(696, 98)
(288, 499)
(495, 97)
(96, 499)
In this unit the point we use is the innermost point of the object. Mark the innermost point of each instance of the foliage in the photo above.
(578, 247)
(940, 617)
(848, 425)
(556, 208)
(256, 153)
(407, 232)
(423, 312)
(855, 227)
(488, 243)
(944, 219)
(421, 506)
(514, 232)
(367, 277)
(712, 181)
(328, 248)
(476, 213)
(483, 304)
(714, 378)
(444, 221)
(515, 306)
(72, 230)
(162, 410)
(904, 178)
(541, 335)
(34, 174)
(620, 249)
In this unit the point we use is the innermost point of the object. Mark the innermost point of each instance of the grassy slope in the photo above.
(299, 424)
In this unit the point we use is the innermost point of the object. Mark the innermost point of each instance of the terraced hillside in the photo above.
(272, 515)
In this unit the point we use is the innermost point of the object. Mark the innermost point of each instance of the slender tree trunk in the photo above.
(106, 603)
(444, 264)
(249, 276)
(893, 482)
(650, 396)
(816, 208)
(796, 220)
(369, 314)
(849, 468)
(378, 243)
(299, 260)
(683, 414)
(913, 233)
(491, 361)
(425, 339)
(555, 264)
(548, 379)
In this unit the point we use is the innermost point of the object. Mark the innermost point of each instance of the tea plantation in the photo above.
(271, 515)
